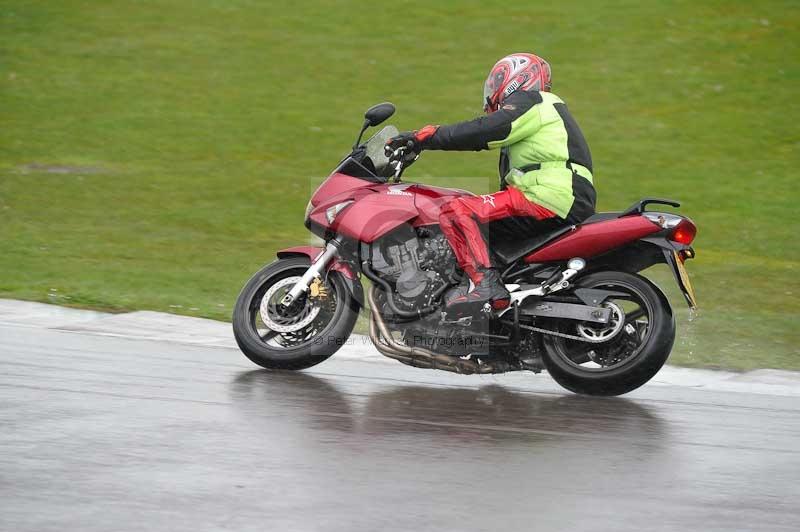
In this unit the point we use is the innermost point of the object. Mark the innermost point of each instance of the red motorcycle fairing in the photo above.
(593, 239)
(336, 184)
(376, 209)
(375, 212)
(313, 252)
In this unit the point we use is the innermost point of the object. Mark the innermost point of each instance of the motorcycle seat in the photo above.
(601, 217)
(510, 250)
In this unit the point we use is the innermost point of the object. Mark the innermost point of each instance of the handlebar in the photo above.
(398, 159)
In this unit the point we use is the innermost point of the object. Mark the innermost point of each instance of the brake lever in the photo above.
(397, 157)
(395, 160)
(398, 168)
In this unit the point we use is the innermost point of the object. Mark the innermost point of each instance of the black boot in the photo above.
(490, 290)
(457, 292)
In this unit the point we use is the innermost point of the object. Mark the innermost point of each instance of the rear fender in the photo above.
(662, 296)
(350, 277)
(632, 258)
(644, 253)
(674, 255)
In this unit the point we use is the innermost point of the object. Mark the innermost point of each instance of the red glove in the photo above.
(414, 140)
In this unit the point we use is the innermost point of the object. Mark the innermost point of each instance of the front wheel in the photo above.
(616, 358)
(302, 335)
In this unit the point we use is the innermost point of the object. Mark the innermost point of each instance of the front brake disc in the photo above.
(286, 319)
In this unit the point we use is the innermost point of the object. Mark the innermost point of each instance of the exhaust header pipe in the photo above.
(417, 356)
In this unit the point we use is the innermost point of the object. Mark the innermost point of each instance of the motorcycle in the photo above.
(579, 307)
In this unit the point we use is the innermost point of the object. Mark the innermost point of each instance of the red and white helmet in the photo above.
(515, 72)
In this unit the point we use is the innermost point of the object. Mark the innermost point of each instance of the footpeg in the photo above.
(466, 321)
(561, 280)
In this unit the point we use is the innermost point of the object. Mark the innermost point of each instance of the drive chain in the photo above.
(565, 335)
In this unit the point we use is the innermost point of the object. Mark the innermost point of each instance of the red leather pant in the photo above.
(459, 222)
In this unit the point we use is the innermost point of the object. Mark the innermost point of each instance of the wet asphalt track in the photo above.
(100, 433)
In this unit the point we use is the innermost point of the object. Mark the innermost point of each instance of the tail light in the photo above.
(684, 232)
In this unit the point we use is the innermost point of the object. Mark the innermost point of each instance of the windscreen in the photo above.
(375, 146)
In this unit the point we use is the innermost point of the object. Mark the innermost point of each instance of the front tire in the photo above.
(628, 359)
(303, 344)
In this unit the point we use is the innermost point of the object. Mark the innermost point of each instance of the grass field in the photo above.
(155, 153)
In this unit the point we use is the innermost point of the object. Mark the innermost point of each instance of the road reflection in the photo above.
(491, 413)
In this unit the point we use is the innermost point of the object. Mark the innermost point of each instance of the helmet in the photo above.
(514, 72)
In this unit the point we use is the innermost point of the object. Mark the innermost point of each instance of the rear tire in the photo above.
(560, 355)
(308, 351)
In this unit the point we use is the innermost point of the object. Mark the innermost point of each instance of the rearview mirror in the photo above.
(377, 114)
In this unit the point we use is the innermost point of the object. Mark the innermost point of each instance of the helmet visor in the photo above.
(489, 90)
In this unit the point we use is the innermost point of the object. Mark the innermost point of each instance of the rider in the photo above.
(545, 172)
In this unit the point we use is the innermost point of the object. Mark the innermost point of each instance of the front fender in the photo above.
(350, 277)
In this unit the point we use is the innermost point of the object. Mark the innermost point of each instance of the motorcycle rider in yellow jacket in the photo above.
(545, 172)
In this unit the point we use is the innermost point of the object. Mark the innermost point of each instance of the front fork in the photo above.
(317, 267)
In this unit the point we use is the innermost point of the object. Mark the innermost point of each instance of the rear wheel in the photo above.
(614, 358)
(302, 335)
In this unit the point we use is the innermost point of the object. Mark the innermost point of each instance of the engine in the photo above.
(417, 262)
